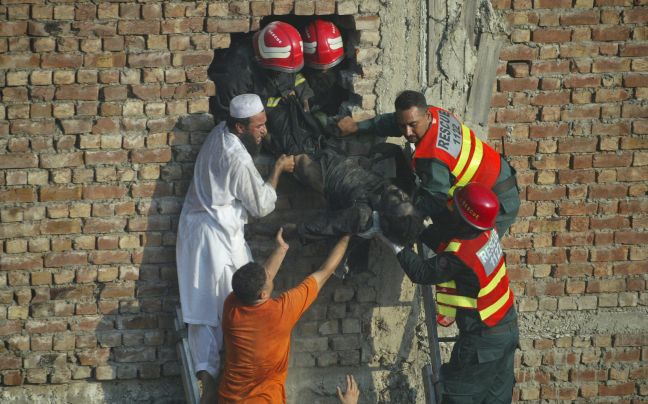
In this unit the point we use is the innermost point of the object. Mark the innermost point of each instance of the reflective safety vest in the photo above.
(466, 156)
(274, 101)
(484, 256)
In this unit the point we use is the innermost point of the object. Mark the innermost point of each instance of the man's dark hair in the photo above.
(248, 282)
(400, 221)
(231, 122)
(408, 99)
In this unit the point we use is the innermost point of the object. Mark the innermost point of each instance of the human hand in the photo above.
(279, 241)
(347, 126)
(286, 163)
(352, 392)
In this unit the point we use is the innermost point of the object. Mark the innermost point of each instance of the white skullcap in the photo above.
(245, 106)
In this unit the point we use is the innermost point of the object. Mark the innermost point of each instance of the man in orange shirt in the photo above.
(256, 327)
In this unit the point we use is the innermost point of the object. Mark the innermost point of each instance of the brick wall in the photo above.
(570, 106)
(103, 112)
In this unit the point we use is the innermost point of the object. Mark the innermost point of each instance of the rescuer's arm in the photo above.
(332, 262)
(382, 126)
(440, 268)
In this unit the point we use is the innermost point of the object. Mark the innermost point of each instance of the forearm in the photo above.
(332, 261)
(274, 261)
(382, 125)
(429, 271)
(273, 180)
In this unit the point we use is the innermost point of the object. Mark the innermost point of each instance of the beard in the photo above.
(250, 144)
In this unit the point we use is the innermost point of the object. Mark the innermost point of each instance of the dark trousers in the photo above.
(481, 368)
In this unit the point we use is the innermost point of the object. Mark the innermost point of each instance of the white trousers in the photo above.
(205, 343)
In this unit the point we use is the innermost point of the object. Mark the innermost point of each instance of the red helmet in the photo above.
(477, 205)
(323, 46)
(278, 46)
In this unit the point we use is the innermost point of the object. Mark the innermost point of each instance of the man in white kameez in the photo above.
(225, 189)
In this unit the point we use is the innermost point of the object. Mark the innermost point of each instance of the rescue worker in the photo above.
(226, 188)
(269, 65)
(323, 56)
(473, 289)
(448, 155)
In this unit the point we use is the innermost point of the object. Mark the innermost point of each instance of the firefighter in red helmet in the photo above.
(324, 57)
(268, 64)
(472, 289)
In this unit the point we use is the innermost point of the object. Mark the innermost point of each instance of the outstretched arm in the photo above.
(273, 263)
(332, 262)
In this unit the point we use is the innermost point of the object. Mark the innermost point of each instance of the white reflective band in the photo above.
(310, 47)
(278, 52)
(335, 43)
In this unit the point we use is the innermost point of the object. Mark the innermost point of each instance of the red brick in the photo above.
(17, 195)
(104, 225)
(611, 95)
(181, 25)
(518, 52)
(149, 223)
(106, 157)
(13, 29)
(634, 111)
(633, 49)
(611, 129)
(60, 193)
(631, 237)
(552, 4)
(103, 192)
(24, 127)
(549, 130)
(536, 193)
(576, 176)
(27, 61)
(587, 375)
(582, 81)
(61, 61)
(77, 93)
(527, 148)
(539, 68)
(110, 257)
(577, 145)
(605, 65)
(149, 190)
(63, 226)
(517, 115)
(57, 260)
(578, 50)
(635, 80)
(551, 98)
(60, 160)
(550, 35)
(149, 60)
(567, 208)
(607, 191)
(93, 357)
(19, 160)
(608, 285)
(10, 362)
(613, 33)
(636, 15)
(228, 25)
(106, 59)
(612, 160)
(581, 112)
(138, 27)
(518, 84)
(622, 389)
(588, 17)
(20, 262)
(151, 156)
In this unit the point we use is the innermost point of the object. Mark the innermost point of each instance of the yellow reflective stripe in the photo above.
(273, 101)
(446, 310)
(465, 151)
(453, 247)
(299, 79)
(449, 284)
(494, 282)
(490, 310)
(458, 301)
(475, 161)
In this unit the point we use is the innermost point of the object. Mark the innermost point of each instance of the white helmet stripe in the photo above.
(310, 47)
(276, 52)
(335, 43)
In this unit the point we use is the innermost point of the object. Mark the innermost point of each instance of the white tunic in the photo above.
(226, 187)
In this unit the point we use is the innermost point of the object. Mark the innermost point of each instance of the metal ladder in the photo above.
(189, 382)
(432, 370)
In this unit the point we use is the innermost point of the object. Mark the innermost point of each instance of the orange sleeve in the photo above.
(298, 299)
